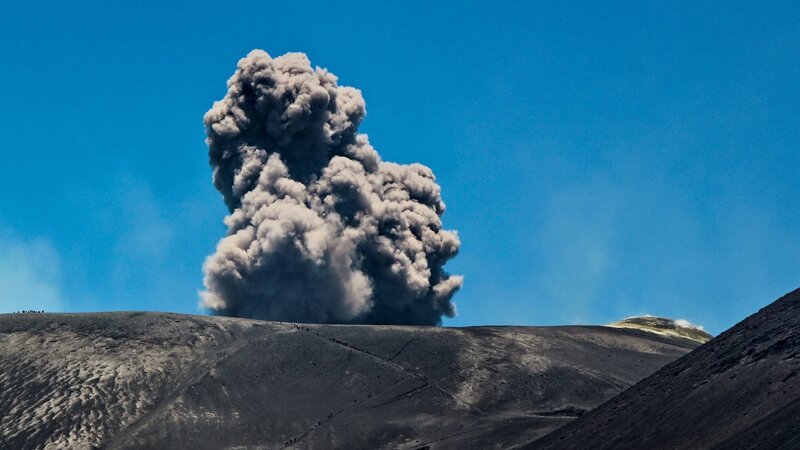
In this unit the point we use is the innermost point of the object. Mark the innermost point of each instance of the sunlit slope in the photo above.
(151, 380)
(666, 327)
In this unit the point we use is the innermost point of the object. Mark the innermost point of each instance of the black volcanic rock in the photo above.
(741, 390)
(147, 380)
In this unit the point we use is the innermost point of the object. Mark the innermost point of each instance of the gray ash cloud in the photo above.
(320, 229)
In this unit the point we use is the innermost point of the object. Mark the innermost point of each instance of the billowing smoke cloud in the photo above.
(320, 229)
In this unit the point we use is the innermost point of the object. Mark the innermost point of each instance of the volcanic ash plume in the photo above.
(320, 229)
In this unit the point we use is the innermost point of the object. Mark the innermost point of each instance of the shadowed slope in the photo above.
(740, 390)
(147, 380)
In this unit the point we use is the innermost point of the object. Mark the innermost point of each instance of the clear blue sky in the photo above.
(598, 161)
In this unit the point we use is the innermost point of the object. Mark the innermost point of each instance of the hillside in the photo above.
(667, 327)
(738, 391)
(153, 380)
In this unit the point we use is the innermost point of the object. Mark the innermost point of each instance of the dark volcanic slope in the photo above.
(146, 380)
(740, 390)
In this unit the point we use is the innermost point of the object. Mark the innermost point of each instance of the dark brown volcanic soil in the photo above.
(741, 390)
(147, 380)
